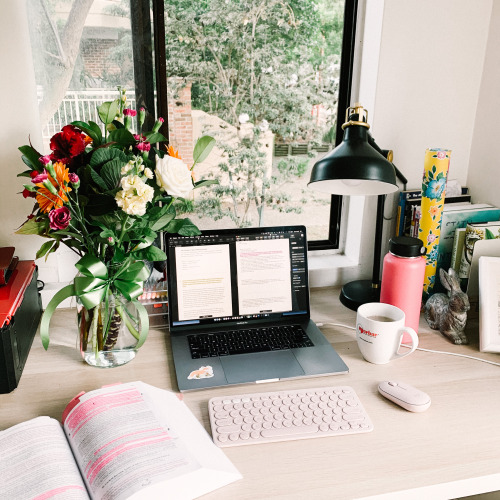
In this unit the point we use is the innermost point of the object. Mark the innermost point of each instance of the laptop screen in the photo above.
(243, 276)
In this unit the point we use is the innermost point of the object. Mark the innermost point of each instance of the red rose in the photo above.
(59, 218)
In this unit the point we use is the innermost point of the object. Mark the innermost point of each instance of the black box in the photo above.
(20, 313)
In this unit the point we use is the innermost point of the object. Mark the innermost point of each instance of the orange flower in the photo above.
(46, 200)
(173, 153)
(87, 140)
(434, 210)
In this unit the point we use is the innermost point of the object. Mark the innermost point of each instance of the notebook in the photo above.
(239, 308)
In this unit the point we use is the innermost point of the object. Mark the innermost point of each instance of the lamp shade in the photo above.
(354, 167)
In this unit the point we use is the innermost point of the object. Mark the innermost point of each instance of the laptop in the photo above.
(239, 311)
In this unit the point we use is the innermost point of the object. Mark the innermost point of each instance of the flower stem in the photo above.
(127, 321)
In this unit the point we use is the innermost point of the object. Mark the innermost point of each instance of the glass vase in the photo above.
(108, 332)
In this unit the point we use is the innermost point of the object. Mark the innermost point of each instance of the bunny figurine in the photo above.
(448, 312)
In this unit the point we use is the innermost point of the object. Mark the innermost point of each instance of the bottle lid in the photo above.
(406, 246)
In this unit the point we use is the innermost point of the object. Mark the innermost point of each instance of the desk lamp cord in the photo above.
(419, 348)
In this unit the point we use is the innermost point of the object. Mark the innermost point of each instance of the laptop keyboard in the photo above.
(286, 415)
(275, 338)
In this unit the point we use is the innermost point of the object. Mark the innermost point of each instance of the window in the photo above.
(266, 78)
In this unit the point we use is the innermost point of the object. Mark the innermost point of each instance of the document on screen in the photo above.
(203, 281)
(264, 276)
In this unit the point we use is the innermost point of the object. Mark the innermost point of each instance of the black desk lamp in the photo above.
(357, 166)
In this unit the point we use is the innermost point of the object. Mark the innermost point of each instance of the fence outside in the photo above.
(80, 105)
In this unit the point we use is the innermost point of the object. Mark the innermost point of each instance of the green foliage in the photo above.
(268, 58)
(245, 187)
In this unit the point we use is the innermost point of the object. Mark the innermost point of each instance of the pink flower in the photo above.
(129, 112)
(144, 146)
(431, 238)
(441, 155)
(59, 218)
(44, 159)
(73, 178)
(40, 177)
(139, 137)
(161, 120)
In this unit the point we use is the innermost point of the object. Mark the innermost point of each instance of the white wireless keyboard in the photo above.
(286, 415)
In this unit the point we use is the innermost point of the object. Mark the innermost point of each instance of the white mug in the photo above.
(379, 332)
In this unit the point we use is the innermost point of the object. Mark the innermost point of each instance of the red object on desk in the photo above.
(11, 295)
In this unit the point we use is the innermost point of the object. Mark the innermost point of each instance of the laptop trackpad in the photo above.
(243, 368)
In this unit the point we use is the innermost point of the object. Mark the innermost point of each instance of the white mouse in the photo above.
(405, 395)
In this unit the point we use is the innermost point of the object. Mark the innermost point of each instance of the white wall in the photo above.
(484, 161)
(423, 90)
(19, 123)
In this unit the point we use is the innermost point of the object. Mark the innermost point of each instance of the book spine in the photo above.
(458, 246)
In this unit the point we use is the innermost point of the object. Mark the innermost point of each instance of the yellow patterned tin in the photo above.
(436, 164)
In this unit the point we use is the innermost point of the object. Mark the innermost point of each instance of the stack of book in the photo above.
(458, 212)
(408, 211)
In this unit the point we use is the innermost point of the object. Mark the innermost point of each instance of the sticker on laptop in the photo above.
(202, 372)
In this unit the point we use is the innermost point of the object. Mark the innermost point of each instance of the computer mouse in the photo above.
(404, 395)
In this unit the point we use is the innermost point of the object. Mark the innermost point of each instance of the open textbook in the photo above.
(126, 441)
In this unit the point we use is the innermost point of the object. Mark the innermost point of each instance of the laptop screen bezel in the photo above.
(240, 323)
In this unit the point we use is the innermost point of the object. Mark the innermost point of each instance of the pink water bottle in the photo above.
(403, 278)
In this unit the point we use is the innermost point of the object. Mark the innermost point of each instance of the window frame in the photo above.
(345, 87)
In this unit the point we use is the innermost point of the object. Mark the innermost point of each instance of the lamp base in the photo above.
(360, 292)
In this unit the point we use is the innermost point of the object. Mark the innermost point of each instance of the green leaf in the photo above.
(103, 155)
(31, 157)
(26, 173)
(202, 148)
(122, 136)
(108, 111)
(205, 182)
(44, 249)
(117, 124)
(154, 137)
(98, 180)
(152, 254)
(32, 227)
(111, 173)
(162, 222)
(85, 127)
(184, 227)
(147, 240)
(488, 234)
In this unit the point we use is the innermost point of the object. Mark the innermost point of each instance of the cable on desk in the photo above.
(421, 348)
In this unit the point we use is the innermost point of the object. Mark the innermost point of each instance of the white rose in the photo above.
(173, 176)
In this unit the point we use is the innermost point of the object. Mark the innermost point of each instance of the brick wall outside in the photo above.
(180, 122)
(95, 55)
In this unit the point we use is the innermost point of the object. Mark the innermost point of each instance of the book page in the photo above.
(264, 276)
(133, 441)
(36, 463)
(203, 281)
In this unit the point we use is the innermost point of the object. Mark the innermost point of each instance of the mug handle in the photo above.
(414, 341)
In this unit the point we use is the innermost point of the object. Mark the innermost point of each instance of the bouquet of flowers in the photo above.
(103, 196)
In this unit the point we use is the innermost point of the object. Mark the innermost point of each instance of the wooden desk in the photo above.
(451, 450)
